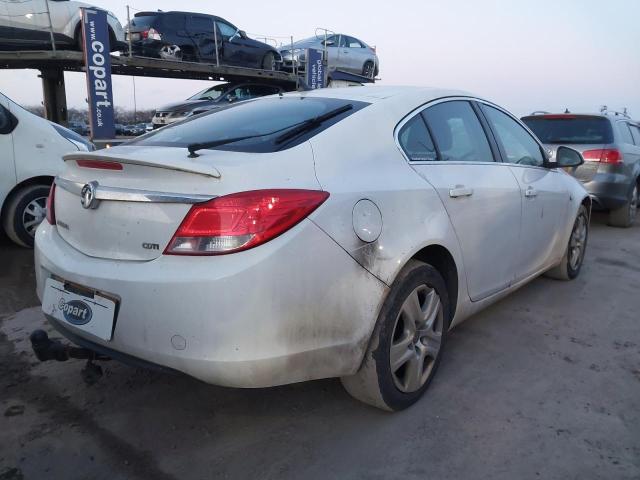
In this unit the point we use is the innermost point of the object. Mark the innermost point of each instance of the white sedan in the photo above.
(334, 233)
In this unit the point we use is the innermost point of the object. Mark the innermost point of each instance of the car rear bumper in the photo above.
(294, 309)
(609, 190)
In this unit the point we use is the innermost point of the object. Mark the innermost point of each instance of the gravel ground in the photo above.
(544, 384)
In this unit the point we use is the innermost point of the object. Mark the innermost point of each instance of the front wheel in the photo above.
(571, 263)
(25, 210)
(407, 341)
(625, 216)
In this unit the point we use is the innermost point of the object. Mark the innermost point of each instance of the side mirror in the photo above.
(568, 157)
(328, 43)
(243, 34)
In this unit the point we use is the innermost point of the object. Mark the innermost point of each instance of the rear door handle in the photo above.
(530, 192)
(460, 191)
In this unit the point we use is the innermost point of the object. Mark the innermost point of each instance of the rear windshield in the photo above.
(266, 119)
(143, 21)
(570, 129)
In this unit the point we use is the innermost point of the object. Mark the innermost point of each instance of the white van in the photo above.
(31, 150)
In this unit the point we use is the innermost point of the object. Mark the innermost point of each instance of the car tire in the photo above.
(25, 206)
(571, 263)
(625, 216)
(269, 62)
(368, 69)
(379, 384)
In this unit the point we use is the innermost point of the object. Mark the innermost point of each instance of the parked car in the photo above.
(344, 53)
(210, 98)
(307, 236)
(25, 25)
(81, 128)
(190, 36)
(610, 145)
(119, 127)
(31, 150)
(148, 127)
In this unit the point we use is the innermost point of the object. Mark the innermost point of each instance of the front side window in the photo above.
(416, 142)
(625, 133)
(225, 29)
(353, 43)
(265, 120)
(210, 93)
(517, 144)
(457, 132)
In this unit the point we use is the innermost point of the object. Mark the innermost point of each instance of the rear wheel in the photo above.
(407, 341)
(171, 52)
(25, 210)
(571, 263)
(269, 62)
(368, 69)
(625, 216)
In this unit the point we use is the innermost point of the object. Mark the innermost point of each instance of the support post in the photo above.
(129, 30)
(53, 39)
(53, 92)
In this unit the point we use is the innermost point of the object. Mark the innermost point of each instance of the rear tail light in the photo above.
(51, 213)
(99, 164)
(151, 34)
(606, 155)
(241, 221)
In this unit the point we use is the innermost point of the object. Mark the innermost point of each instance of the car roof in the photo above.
(375, 94)
(161, 12)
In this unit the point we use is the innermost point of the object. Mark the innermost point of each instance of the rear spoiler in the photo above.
(181, 165)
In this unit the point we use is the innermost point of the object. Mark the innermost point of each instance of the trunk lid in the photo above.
(139, 208)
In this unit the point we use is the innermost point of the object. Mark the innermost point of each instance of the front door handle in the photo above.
(530, 192)
(460, 191)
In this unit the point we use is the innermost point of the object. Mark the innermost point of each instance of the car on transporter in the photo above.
(197, 37)
(344, 53)
(31, 150)
(211, 98)
(316, 234)
(28, 25)
(610, 145)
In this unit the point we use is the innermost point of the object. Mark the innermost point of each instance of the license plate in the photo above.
(90, 312)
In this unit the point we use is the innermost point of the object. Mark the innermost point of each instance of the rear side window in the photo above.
(264, 119)
(416, 142)
(517, 144)
(174, 22)
(457, 132)
(625, 133)
(570, 129)
(144, 21)
(635, 132)
(202, 24)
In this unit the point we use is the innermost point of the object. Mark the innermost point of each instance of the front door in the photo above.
(545, 199)
(480, 195)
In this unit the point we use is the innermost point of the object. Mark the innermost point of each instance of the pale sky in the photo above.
(525, 55)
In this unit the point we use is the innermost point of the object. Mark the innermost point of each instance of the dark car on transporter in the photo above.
(196, 37)
(211, 98)
(610, 145)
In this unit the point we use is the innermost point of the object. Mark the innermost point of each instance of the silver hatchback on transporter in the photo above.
(610, 145)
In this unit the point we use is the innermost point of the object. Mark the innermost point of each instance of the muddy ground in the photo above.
(544, 384)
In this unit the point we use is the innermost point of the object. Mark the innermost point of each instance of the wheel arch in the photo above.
(442, 260)
(39, 180)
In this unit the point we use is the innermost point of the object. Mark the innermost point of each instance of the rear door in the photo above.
(30, 21)
(630, 150)
(201, 31)
(545, 199)
(7, 165)
(447, 145)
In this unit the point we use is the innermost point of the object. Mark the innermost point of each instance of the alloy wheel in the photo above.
(33, 214)
(577, 242)
(633, 204)
(416, 339)
(171, 52)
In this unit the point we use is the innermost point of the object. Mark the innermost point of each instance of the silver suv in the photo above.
(610, 145)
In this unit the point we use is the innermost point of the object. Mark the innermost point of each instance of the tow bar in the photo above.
(47, 349)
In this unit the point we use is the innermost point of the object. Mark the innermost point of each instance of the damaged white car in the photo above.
(319, 234)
